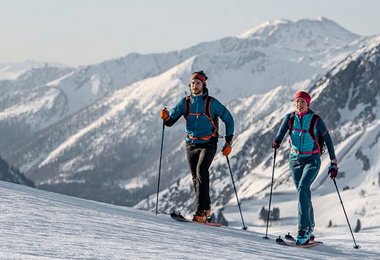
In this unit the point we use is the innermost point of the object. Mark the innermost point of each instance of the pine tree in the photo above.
(275, 214)
(263, 214)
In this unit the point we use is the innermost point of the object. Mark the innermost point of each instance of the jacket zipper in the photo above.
(197, 112)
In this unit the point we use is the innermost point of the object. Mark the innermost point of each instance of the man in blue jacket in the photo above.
(307, 133)
(201, 113)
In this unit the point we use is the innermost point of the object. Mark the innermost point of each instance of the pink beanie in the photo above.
(304, 95)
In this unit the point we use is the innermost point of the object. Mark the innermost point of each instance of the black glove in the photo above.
(333, 169)
(275, 145)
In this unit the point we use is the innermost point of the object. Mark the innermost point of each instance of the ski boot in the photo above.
(311, 234)
(303, 237)
(202, 216)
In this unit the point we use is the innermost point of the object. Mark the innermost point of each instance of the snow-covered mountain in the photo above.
(41, 225)
(304, 35)
(96, 133)
(27, 104)
(237, 67)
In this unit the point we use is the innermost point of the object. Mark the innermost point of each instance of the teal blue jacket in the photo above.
(200, 125)
(301, 142)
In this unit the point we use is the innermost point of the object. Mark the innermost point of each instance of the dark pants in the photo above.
(200, 158)
(304, 170)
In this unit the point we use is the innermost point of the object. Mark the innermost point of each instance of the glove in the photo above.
(226, 150)
(333, 169)
(275, 145)
(164, 114)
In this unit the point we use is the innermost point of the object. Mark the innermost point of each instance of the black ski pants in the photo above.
(200, 158)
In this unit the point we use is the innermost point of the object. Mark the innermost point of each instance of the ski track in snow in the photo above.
(37, 224)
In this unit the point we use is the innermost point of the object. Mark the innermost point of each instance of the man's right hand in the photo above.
(164, 114)
(226, 150)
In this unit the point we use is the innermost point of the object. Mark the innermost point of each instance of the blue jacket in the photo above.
(302, 144)
(200, 126)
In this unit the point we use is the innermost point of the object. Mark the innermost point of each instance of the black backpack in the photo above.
(320, 142)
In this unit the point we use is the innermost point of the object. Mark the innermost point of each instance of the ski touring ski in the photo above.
(181, 218)
(290, 241)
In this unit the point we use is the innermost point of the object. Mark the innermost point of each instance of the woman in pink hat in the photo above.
(307, 135)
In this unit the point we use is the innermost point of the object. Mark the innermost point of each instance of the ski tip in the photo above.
(280, 241)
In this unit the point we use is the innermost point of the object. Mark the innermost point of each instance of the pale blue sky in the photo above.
(79, 32)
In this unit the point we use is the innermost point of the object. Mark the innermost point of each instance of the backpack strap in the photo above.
(208, 106)
(214, 122)
(291, 122)
(187, 107)
(313, 122)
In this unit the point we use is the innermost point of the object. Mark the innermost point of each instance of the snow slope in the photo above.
(36, 224)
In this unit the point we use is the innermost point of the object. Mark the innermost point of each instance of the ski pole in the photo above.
(270, 196)
(341, 202)
(159, 167)
(237, 198)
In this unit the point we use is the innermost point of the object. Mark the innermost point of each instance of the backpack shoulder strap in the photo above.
(313, 122)
(291, 122)
(214, 121)
(320, 141)
(208, 107)
(187, 107)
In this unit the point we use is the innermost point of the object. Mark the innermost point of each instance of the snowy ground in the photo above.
(36, 224)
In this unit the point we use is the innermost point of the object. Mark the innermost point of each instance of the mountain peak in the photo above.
(275, 26)
(320, 33)
(265, 28)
